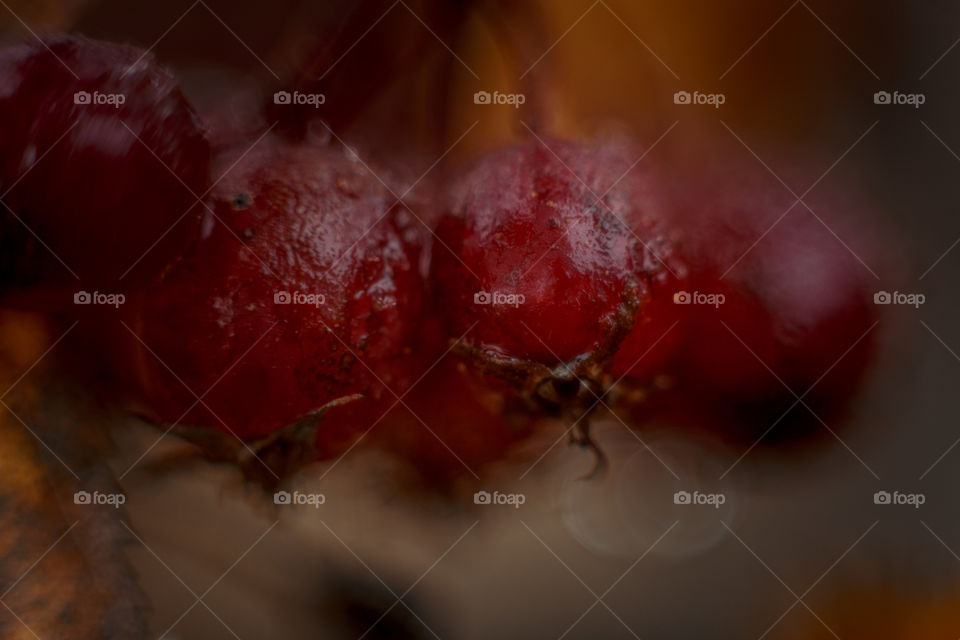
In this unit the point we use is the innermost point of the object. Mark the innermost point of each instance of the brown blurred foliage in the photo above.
(63, 572)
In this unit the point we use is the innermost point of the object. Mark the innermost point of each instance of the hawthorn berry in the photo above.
(303, 295)
(547, 256)
(592, 293)
(784, 309)
(101, 165)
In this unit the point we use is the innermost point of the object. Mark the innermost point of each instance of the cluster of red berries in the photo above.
(279, 299)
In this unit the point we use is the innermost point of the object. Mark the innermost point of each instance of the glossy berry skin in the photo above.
(100, 154)
(520, 222)
(230, 319)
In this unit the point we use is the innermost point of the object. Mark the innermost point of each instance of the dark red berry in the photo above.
(796, 312)
(305, 292)
(652, 290)
(450, 427)
(101, 163)
(547, 257)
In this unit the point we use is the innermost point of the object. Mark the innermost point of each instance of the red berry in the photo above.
(101, 158)
(598, 286)
(300, 295)
(796, 306)
(450, 427)
(572, 277)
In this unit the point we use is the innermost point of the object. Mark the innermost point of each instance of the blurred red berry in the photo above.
(450, 427)
(783, 307)
(101, 158)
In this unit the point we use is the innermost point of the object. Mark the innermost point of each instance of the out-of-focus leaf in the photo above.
(63, 570)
